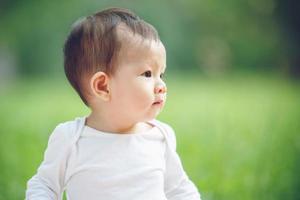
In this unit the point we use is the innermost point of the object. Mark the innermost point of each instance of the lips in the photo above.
(158, 102)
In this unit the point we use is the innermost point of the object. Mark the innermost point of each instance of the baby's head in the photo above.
(113, 58)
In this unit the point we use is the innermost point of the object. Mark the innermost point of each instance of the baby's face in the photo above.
(138, 92)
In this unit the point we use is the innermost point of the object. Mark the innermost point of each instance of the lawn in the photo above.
(238, 137)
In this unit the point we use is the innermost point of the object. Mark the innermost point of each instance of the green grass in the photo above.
(238, 137)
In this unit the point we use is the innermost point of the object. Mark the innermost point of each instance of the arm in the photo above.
(48, 182)
(177, 184)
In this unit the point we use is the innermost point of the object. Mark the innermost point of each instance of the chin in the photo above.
(151, 117)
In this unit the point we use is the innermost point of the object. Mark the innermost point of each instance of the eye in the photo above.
(162, 75)
(147, 74)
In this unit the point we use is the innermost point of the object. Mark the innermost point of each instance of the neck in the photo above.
(104, 122)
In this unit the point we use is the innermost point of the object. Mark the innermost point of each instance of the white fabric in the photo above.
(90, 164)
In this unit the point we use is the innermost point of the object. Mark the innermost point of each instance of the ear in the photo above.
(99, 85)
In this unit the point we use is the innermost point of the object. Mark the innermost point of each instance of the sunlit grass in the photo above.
(238, 138)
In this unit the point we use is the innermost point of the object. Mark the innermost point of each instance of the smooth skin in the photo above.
(134, 94)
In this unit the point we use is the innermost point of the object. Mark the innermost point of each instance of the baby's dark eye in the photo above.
(147, 74)
(162, 75)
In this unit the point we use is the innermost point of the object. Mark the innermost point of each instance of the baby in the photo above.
(116, 62)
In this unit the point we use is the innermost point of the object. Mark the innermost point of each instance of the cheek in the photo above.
(143, 92)
(134, 94)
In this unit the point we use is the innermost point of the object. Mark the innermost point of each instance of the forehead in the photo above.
(135, 49)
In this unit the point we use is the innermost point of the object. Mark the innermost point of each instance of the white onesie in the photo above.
(89, 164)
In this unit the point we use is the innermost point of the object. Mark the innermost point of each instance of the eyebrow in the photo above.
(157, 65)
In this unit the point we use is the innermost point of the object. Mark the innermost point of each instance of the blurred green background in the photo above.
(233, 89)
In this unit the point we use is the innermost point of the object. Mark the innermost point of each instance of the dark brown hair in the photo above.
(92, 44)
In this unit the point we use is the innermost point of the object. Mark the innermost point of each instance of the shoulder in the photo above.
(65, 131)
(169, 131)
(164, 125)
(61, 139)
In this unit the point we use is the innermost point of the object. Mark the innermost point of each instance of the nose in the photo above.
(160, 88)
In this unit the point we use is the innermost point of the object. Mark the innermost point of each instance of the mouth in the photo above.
(158, 102)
